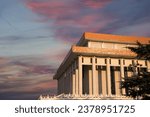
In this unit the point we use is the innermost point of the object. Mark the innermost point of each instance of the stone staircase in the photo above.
(84, 97)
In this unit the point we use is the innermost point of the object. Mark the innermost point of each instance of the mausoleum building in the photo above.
(96, 65)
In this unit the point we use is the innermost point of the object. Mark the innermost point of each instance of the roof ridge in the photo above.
(115, 38)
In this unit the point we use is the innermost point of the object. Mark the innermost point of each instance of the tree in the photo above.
(142, 51)
(138, 85)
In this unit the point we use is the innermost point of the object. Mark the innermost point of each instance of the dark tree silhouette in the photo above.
(138, 85)
(142, 51)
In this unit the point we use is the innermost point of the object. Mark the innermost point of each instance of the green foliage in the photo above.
(142, 51)
(138, 85)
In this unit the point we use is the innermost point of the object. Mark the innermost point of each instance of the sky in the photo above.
(35, 36)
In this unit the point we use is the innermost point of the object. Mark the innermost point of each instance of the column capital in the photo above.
(148, 65)
(80, 56)
(108, 61)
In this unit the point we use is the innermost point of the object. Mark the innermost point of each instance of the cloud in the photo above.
(96, 4)
(27, 77)
(4, 60)
(70, 18)
(12, 39)
(22, 76)
(25, 95)
(127, 15)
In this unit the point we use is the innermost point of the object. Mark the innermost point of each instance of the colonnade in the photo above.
(89, 76)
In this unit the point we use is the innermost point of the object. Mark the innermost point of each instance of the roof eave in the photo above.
(76, 51)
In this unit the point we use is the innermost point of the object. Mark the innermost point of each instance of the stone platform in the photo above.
(84, 97)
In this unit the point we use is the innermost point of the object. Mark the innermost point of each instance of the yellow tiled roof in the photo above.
(115, 38)
(102, 51)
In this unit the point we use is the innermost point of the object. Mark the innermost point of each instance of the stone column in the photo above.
(61, 85)
(58, 86)
(103, 82)
(135, 71)
(76, 80)
(95, 80)
(108, 76)
(71, 78)
(73, 83)
(148, 66)
(90, 81)
(64, 84)
(80, 74)
(117, 81)
(122, 74)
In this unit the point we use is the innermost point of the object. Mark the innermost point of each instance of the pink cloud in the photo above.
(51, 9)
(70, 18)
(4, 60)
(59, 56)
(17, 75)
(47, 85)
(96, 3)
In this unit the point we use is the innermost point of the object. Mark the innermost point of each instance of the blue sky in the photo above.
(35, 36)
(20, 33)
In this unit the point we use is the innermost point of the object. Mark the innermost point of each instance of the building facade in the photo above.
(97, 63)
